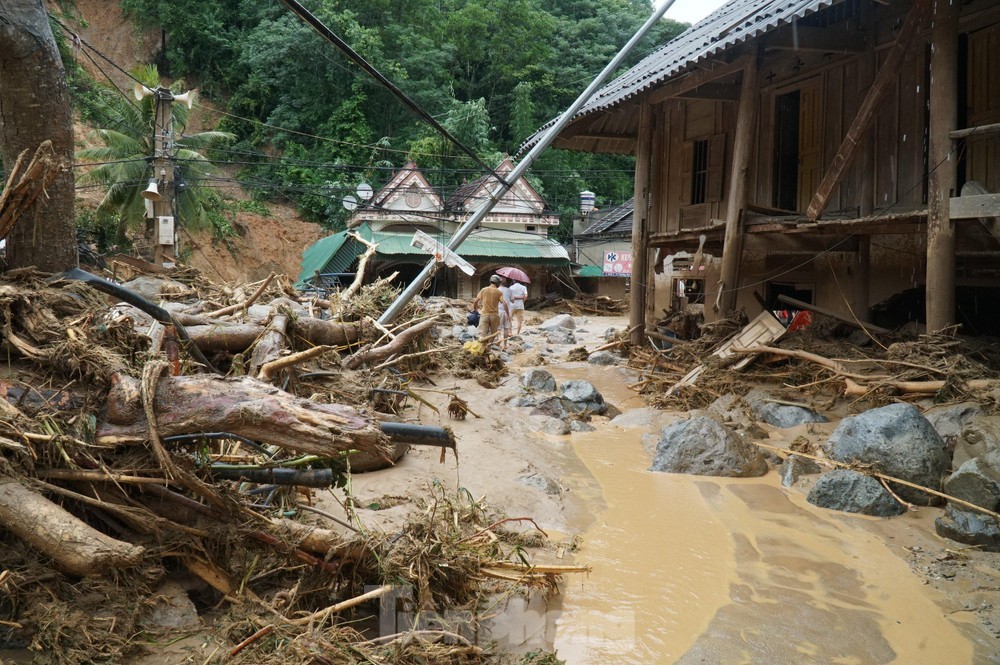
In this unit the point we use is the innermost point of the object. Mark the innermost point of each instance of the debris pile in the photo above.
(144, 444)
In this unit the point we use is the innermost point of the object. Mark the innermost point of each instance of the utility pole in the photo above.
(163, 171)
(161, 191)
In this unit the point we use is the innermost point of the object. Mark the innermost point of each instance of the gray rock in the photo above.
(538, 379)
(466, 336)
(556, 427)
(971, 528)
(977, 481)
(171, 608)
(581, 426)
(730, 408)
(977, 438)
(524, 400)
(785, 415)
(853, 492)
(702, 446)
(609, 334)
(560, 336)
(553, 407)
(559, 321)
(794, 467)
(603, 358)
(504, 356)
(578, 395)
(899, 439)
(950, 420)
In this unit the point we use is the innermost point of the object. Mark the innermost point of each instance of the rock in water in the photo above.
(603, 358)
(704, 447)
(784, 415)
(901, 441)
(977, 481)
(796, 466)
(559, 321)
(853, 492)
(578, 395)
(971, 528)
(560, 336)
(538, 379)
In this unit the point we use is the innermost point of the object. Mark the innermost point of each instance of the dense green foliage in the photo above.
(311, 124)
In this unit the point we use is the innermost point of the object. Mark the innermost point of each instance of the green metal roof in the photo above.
(590, 271)
(336, 253)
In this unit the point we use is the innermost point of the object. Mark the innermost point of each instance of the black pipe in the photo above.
(277, 476)
(134, 299)
(216, 436)
(418, 435)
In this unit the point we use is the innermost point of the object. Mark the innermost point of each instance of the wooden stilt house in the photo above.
(844, 152)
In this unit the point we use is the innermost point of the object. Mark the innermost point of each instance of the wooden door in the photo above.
(810, 141)
(983, 99)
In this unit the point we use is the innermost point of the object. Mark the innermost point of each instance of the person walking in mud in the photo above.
(518, 294)
(492, 300)
(505, 312)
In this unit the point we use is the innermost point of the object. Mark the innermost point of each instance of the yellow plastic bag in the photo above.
(474, 346)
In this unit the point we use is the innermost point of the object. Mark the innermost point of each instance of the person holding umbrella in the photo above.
(518, 294)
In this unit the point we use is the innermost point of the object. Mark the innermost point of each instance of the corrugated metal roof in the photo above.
(615, 220)
(336, 253)
(731, 24)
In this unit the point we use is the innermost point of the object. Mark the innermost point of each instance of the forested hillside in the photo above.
(311, 124)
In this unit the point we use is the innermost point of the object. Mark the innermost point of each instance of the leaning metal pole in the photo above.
(466, 229)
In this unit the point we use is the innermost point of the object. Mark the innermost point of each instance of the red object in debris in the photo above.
(802, 320)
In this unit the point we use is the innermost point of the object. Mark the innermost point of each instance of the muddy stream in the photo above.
(693, 569)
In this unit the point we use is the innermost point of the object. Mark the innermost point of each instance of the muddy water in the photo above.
(706, 570)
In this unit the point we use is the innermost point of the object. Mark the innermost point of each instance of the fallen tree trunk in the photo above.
(918, 387)
(76, 547)
(403, 338)
(270, 345)
(237, 337)
(243, 406)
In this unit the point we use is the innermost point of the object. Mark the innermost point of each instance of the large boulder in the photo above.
(558, 321)
(853, 492)
(539, 380)
(578, 395)
(977, 481)
(971, 528)
(898, 439)
(704, 447)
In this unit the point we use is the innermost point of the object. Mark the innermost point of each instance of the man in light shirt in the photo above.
(518, 294)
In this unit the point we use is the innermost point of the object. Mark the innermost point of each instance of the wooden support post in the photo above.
(640, 226)
(886, 77)
(746, 123)
(866, 161)
(943, 111)
(862, 279)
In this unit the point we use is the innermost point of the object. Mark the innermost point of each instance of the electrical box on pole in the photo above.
(163, 171)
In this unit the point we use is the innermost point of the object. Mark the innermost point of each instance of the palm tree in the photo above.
(124, 166)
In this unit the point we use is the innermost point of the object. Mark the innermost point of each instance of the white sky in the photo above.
(690, 11)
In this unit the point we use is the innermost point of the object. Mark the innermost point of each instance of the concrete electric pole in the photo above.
(161, 191)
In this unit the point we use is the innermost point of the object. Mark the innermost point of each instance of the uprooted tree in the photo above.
(35, 109)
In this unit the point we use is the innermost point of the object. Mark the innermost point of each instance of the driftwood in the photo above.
(243, 406)
(31, 182)
(359, 275)
(237, 337)
(403, 338)
(76, 547)
(272, 367)
(829, 364)
(271, 343)
(917, 387)
(242, 305)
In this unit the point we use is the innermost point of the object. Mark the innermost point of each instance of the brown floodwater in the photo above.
(690, 569)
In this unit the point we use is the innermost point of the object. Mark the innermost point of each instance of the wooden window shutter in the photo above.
(687, 171)
(716, 167)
